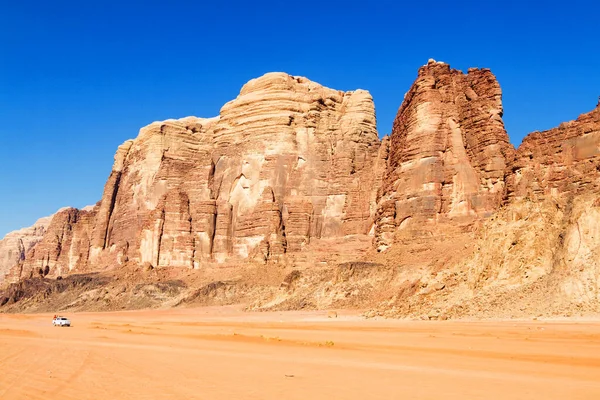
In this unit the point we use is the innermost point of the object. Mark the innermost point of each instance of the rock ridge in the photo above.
(291, 176)
(558, 161)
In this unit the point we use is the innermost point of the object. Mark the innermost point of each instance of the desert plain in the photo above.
(223, 353)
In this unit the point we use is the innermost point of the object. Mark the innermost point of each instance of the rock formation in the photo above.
(286, 164)
(562, 160)
(539, 254)
(448, 152)
(63, 248)
(293, 173)
(16, 244)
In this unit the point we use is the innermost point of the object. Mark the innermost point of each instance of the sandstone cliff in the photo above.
(286, 166)
(563, 160)
(63, 248)
(15, 245)
(293, 173)
(448, 152)
(539, 254)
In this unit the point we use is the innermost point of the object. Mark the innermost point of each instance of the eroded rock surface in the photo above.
(64, 247)
(293, 173)
(15, 245)
(538, 255)
(561, 161)
(287, 164)
(448, 152)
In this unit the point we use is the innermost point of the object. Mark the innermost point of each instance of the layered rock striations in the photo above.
(154, 198)
(286, 164)
(539, 254)
(15, 245)
(63, 248)
(448, 152)
(561, 161)
(292, 172)
(306, 148)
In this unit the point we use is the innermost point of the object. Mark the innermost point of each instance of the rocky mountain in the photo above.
(540, 253)
(448, 152)
(16, 244)
(501, 233)
(291, 187)
(560, 161)
(286, 166)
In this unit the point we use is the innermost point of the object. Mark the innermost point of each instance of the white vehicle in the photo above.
(61, 321)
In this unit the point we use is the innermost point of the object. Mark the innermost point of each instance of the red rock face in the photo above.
(559, 161)
(157, 197)
(63, 248)
(448, 152)
(287, 164)
(15, 245)
(291, 171)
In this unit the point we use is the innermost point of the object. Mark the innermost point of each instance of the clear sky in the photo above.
(77, 78)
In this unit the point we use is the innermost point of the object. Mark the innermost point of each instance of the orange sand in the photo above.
(221, 353)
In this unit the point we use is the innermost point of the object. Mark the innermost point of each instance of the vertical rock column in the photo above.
(448, 152)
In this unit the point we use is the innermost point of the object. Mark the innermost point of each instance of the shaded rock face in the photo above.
(448, 152)
(15, 245)
(286, 164)
(561, 161)
(63, 248)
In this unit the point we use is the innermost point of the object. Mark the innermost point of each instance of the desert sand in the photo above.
(222, 353)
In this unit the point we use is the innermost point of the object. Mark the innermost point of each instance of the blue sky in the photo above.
(79, 78)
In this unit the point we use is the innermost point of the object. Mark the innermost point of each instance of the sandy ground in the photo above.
(221, 353)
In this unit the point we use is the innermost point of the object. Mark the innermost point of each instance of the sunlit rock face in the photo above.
(286, 164)
(448, 152)
(293, 162)
(291, 172)
(561, 161)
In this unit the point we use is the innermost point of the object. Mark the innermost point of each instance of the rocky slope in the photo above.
(538, 255)
(291, 187)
